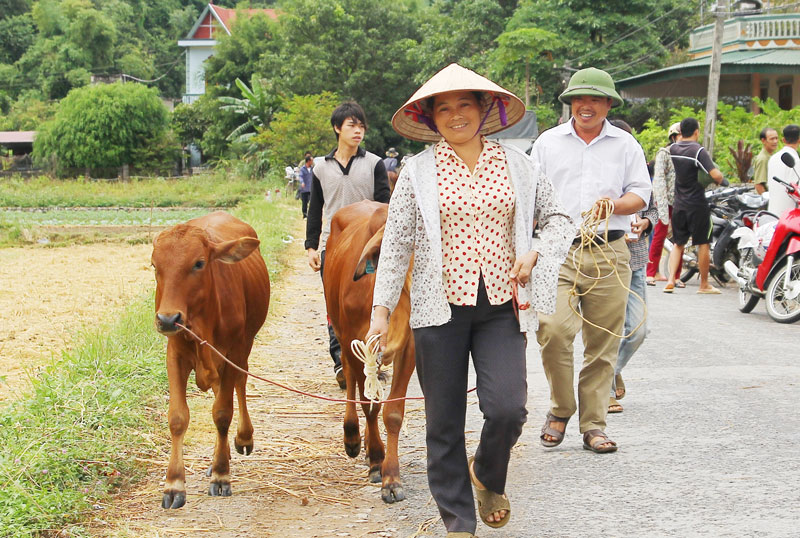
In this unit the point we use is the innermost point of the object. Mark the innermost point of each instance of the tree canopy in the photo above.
(372, 51)
(107, 126)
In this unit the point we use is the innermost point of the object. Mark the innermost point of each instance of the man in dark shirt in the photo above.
(691, 215)
(346, 175)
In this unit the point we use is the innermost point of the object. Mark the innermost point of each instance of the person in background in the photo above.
(346, 175)
(691, 216)
(769, 143)
(465, 209)
(635, 317)
(390, 162)
(598, 168)
(306, 176)
(779, 199)
(664, 195)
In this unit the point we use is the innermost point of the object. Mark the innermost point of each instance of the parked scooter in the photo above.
(771, 270)
(725, 204)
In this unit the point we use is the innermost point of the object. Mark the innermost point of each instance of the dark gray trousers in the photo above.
(491, 334)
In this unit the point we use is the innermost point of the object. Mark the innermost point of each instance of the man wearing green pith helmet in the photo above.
(597, 168)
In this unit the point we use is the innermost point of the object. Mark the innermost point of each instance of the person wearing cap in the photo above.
(590, 163)
(465, 209)
(390, 162)
(664, 193)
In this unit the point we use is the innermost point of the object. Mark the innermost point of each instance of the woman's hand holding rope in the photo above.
(521, 271)
(379, 325)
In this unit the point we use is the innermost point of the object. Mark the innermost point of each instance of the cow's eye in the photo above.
(199, 264)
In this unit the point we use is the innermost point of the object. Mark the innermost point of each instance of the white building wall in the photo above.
(196, 55)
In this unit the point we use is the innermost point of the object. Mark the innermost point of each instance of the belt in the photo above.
(613, 235)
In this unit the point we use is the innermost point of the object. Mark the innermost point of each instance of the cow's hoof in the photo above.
(173, 499)
(220, 489)
(353, 449)
(243, 449)
(375, 474)
(393, 493)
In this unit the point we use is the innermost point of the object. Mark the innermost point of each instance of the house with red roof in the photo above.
(213, 22)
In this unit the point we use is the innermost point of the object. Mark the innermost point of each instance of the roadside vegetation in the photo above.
(56, 212)
(95, 415)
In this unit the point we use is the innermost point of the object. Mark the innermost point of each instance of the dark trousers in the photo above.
(491, 334)
(333, 343)
(304, 197)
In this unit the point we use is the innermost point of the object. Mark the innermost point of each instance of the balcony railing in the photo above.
(740, 30)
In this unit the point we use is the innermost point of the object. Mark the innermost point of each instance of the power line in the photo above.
(638, 29)
(131, 77)
(623, 67)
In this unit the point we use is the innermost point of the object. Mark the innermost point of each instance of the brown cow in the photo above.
(210, 278)
(354, 244)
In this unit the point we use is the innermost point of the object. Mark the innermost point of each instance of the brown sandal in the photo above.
(489, 502)
(547, 430)
(614, 406)
(593, 439)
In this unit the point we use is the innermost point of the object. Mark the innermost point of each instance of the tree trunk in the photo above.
(527, 83)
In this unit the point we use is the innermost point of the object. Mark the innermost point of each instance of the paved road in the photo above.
(708, 440)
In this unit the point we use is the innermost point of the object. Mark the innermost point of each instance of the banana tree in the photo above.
(258, 105)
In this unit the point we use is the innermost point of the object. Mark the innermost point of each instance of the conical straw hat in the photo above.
(413, 122)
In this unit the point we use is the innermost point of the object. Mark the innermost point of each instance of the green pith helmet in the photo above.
(591, 81)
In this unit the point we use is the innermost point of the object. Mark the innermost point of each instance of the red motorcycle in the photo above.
(774, 273)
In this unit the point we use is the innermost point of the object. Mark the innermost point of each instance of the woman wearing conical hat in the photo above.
(465, 208)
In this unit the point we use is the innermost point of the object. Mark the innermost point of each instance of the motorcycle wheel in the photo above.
(779, 307)
(747, 301)
(687, 276)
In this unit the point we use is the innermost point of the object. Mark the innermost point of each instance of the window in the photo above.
(785, 96)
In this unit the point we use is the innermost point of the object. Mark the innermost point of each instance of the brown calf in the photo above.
(210, 278)
(355, 238)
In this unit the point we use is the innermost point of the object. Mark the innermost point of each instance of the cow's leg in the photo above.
(222, 412)
(352, 436)
(178, 416)
(393, 412)
(372, 436)
(244, 436)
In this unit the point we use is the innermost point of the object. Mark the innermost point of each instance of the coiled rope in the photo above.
(369, 355)
(589, 233)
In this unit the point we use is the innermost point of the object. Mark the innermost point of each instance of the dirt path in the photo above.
(298, 482)
(48, 294)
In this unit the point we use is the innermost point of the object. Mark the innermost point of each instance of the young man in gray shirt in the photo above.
(346, 175)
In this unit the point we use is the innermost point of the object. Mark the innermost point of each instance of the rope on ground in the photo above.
(593, 219)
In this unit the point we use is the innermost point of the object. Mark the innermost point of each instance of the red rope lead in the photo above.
(291, 389)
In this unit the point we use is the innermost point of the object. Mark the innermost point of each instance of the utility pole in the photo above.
(713, 77)
(566, 110)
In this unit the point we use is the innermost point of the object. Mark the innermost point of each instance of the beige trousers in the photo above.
(604, 305)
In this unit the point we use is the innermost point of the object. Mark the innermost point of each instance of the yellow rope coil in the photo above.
(598, 215)
(368, 354)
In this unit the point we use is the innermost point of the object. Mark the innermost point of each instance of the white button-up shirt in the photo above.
(779, 199)
(611, 165)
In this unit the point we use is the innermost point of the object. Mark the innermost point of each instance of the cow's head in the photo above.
(368, 261)
(182, 258)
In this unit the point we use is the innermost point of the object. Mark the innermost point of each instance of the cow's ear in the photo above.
(234, 250)
(368, 262)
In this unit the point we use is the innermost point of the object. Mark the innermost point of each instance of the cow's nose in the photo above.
(167, 322)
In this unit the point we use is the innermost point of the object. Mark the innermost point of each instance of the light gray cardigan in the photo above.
(414, 226)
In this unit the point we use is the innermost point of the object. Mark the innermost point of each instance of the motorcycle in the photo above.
(770, 266)
(725, 204)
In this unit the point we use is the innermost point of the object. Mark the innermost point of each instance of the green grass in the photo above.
(74, 438)
(213, 189)
(102, 217)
